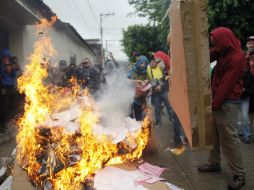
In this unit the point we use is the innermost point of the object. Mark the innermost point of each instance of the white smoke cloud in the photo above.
(116, 98)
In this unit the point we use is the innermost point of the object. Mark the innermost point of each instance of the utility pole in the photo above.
(107, 43)
(101, 32)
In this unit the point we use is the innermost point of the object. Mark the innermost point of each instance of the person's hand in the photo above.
(157, 88)
(167, 77)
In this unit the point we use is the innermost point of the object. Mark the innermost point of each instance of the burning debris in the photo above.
(58, 140)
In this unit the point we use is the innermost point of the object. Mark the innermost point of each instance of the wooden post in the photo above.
(189, 91)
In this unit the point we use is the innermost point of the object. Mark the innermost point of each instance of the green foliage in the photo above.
(234, 14)
(142, 39)
(156, 31)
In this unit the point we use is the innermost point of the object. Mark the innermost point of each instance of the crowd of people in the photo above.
(232, 81)
(151, 93)
(88, 75)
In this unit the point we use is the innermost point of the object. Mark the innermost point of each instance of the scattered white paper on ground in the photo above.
(13, 152)
(173, 187)
(151, 169)
(112, 178)
(3, 170)
(6, 185)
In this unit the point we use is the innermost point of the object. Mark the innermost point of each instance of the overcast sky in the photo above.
(84, 15)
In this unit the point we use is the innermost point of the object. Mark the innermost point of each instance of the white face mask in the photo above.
(161, 65)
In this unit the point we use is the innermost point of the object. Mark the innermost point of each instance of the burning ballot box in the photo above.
(62, 139)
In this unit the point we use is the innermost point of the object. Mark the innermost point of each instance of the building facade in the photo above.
(18, 33)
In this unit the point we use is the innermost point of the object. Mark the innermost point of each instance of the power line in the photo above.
(92, 11)
(81, 16)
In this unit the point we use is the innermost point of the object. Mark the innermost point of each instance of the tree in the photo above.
(142, 39)
(156, 12)
(234, 14)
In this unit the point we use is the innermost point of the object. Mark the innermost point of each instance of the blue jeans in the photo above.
(244, 104)
(157, 100)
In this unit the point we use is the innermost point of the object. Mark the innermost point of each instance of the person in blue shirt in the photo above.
(8, 77)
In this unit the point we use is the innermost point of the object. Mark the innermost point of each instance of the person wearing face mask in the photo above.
(227, 88)
(138, 75)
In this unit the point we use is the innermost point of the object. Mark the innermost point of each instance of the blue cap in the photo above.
(6, 53)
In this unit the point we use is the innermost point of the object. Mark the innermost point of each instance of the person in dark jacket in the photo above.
(88, 76)
(248, 91)
(7, 88)
(227, 88)
(251, 103)
(71, 72)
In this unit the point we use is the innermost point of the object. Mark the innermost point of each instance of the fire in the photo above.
(53, 157)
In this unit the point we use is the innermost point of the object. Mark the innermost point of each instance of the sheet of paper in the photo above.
(151, 169)
(6, 185)
(173, 187)
(112, 178)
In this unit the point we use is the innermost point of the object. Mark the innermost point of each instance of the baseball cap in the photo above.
(251, 38)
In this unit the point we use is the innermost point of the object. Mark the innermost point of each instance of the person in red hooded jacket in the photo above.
(227, 88)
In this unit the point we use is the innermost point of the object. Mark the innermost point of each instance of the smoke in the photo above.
(115, 100)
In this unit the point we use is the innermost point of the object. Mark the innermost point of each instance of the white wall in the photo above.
(16, 44)
(65, 42)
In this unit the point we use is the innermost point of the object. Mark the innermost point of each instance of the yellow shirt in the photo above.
(157, 73)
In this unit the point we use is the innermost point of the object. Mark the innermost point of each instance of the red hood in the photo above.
(225, 39)
(164, 57)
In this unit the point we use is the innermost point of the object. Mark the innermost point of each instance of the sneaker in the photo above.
(236, 183)
(209, 168)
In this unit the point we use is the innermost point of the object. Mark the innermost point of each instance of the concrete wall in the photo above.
(64, 41)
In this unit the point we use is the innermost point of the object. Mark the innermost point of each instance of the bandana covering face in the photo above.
(138, 71)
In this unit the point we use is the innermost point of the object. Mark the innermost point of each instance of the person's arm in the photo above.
(233, 74)
(114, 61)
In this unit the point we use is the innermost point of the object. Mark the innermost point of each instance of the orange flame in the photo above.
(35, 140)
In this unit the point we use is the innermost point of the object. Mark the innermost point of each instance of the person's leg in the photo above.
(170, 111)
(173, 118)
(245, 120)
(214, 159)
(230, 143)
(137, 111)
(156, 101)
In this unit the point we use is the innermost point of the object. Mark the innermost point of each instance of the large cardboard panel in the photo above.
(190, 83)
(20, 179)
(178, 93)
